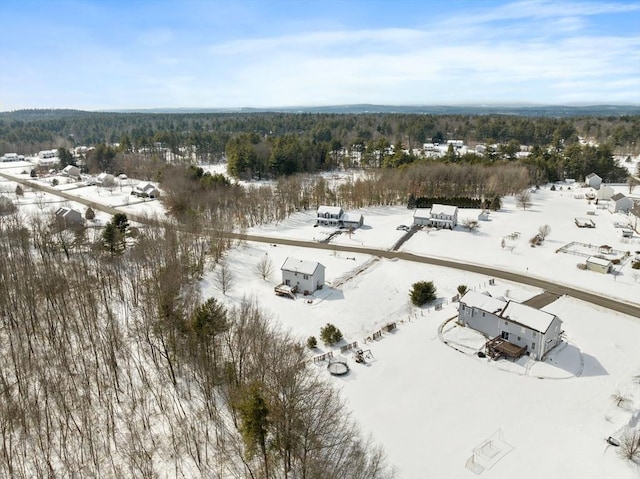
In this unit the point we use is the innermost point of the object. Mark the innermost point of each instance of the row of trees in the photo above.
(113, 365)
(225, 206)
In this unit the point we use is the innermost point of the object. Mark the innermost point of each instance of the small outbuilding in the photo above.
(305, 276)
(620, 203)
(605, 192)
(593, 180)
(599, 265)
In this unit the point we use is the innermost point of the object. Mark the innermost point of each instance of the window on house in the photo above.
(483, 314)
(519, 338)
(306, 276)
(506, 323)
(533, 346)
(535, 334)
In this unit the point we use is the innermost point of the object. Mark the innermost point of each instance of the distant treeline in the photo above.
(271, 144)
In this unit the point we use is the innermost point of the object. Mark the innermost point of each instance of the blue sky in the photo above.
(220, 53)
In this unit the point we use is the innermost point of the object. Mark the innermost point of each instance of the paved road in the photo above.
(554, 288)
(632, 309)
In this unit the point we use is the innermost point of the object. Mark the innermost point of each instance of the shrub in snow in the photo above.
(330, 334)
(312, 342)
(422, 293)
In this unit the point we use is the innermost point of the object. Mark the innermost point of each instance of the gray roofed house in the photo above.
(620, 202)
(68, 216)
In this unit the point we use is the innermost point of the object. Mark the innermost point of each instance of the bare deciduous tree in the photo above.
(523, 199)
(264, 267)
(544, 231)
(224, 277)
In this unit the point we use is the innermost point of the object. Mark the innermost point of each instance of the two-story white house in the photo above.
(439, 216)
(531, 330)
(329, 215)
(306, 276)
(335, 216)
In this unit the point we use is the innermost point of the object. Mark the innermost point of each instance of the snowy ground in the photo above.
(430, 403)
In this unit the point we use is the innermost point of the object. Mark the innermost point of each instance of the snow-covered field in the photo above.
(430, 403)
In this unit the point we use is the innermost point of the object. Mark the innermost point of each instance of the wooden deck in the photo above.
(498, 347)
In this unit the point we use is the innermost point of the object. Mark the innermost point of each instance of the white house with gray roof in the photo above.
(534, 330)
(306, 276)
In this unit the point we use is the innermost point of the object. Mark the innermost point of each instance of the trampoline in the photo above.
(338, 368)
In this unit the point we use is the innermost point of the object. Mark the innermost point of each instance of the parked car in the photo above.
(403, 228)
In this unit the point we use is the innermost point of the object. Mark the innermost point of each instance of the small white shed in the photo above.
(307, 276)
(593, 180)
(599, 265)
(605, 192)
